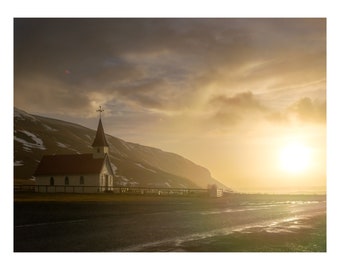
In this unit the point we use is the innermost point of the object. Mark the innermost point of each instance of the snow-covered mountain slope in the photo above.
(134, 164)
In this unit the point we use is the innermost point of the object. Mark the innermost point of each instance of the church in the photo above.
(80, 173)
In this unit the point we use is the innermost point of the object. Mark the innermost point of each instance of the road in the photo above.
(166, 224)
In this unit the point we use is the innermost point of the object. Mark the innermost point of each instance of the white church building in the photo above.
(83, 173)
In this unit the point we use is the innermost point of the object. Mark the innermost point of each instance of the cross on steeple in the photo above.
(100, 110)
(100, 145)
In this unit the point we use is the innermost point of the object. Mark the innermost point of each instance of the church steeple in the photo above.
(100, 140)
(100, 145)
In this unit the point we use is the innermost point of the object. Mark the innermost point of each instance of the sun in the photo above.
(295, 157)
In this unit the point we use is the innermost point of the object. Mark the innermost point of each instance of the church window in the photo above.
(98, 150)
(81, 182)
(67, 182)
(51, 181)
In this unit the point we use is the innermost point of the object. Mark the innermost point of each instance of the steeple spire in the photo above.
(100, 145)
(100, 139)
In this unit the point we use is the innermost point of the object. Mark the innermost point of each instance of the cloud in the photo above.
(248, 108)
(169, 65)
(237, 108)
(52, 96)
(242, 102)
(304, 110)
(144, 93)
(308, 110)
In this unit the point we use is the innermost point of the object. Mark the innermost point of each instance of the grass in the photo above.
(87, 197)
(110, 197)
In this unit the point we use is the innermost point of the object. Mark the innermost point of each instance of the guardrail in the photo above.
(113, 190)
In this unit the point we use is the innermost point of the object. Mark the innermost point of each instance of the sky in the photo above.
(233, 95)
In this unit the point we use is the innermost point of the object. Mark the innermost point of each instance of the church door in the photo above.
(106, 182)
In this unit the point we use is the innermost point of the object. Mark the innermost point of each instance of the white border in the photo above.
(175, 8)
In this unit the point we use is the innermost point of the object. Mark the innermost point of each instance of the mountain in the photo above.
(134, 164)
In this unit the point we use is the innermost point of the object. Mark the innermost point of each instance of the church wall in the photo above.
(105, 169)
(106, 174)
(90, 185)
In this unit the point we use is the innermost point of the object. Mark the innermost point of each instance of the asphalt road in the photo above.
(137, 225)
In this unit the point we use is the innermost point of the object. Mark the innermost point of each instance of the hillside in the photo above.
(134, 164)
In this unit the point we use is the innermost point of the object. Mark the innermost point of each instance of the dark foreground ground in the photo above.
(235, 223)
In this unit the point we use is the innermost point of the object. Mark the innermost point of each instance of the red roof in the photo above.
(69, 164)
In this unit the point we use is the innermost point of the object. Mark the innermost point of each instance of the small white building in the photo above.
(215, 192)
(84, 173)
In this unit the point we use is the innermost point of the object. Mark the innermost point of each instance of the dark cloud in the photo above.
(146, 93)
(163, 64)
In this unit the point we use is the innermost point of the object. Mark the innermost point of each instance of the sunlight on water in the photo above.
(285, 225)
(256, 206)
(292, 217)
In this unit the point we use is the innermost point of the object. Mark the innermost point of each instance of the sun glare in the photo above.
(295, 158)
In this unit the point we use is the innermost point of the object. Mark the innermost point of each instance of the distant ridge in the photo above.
(134, 164)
